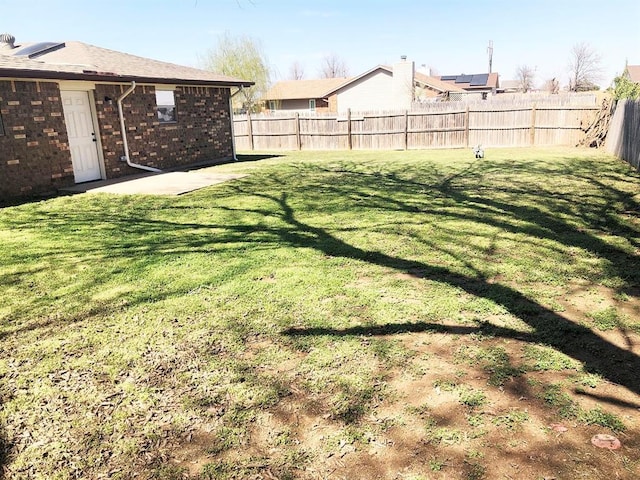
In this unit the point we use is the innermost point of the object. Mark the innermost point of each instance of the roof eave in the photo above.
(306, 97)
(349, 81)
(102, 77)
(478, 87)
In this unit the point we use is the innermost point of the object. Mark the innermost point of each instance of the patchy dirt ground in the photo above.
(446, 416)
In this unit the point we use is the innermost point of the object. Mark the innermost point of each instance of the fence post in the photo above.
(349, 141)
(466, 127)
(533, 125)
(249, 131)
(297, 126)
(406, 129)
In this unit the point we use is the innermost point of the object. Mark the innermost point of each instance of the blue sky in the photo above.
(448, 35)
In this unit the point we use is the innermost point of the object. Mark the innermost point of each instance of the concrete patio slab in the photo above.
(170, 183)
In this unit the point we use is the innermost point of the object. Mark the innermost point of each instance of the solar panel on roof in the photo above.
(448, 77)
(464, 78)
(37, 49)
(479, 80)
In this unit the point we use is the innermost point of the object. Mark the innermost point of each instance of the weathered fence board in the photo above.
(439, 126)
(623, 139)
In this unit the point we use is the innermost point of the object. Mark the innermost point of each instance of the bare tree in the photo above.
(584, 68)
(296, 72)
(552, 85)
(525, 76)
(333, 67)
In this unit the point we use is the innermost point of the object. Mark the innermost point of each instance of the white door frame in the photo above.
(88, 88)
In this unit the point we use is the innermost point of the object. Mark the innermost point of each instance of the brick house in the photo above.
(302, 95)
(65, 106)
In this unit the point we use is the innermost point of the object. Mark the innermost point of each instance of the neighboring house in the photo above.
(380, 88)
(633, 73)
(65, 106)
(477, 86)
(301, 95)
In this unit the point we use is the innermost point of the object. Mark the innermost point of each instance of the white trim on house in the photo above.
(77, 85)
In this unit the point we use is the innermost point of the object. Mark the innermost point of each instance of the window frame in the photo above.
(312, 104)
(167, 106)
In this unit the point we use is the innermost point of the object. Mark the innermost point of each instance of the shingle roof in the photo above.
(436, 83)
(303, 89)
(9, 63)
(77, 60)
(510, 84)
(634, 73)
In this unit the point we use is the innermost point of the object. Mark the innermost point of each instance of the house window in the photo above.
(272, 105)
(166, 106)
(312, 105)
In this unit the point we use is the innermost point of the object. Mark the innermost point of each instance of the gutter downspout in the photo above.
(233, 136)
(124, 133)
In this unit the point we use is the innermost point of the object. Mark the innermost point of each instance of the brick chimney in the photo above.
(402, 86)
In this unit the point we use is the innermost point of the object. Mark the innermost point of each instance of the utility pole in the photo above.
(490, 51)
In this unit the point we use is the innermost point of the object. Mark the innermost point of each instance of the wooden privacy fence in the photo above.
(623, 138)
(440, 127)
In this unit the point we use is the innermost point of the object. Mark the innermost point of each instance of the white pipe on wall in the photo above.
(124, 133)
(233, 136)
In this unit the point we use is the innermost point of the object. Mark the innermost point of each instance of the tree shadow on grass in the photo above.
(421, 191)
(607, 399)
(598, 355)
(143, 237)
(137, 233)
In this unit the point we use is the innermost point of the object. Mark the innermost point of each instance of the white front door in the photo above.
(82, 137)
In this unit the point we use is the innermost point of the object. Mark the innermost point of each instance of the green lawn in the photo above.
(415, 314)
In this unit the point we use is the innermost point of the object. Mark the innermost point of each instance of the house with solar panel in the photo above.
(382, 88)
(478, 86)
(71, 112)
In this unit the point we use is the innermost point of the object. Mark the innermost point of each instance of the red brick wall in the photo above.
(202, 132)
(34, 153)
(333, 103)
(322, 106)
(34, 150)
